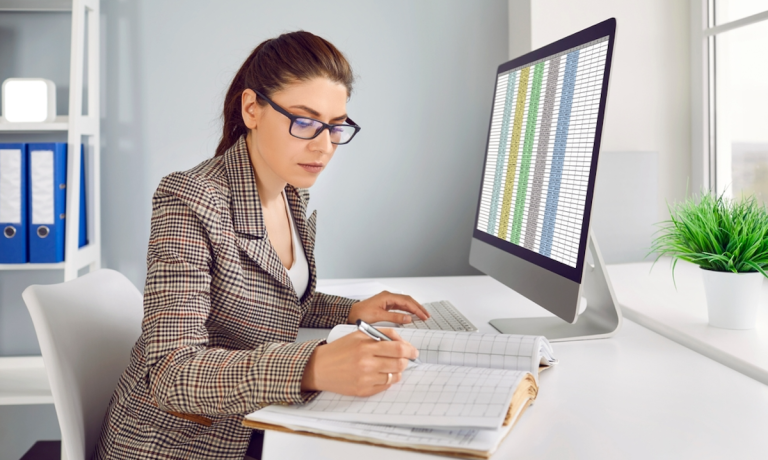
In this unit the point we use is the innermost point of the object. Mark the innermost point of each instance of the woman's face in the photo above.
(296, 161)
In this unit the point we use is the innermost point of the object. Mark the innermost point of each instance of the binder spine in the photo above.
(47, 198)
(14, 223)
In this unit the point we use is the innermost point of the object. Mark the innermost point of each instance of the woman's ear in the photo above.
(250, 108)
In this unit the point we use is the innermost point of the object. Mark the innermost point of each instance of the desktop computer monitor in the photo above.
(532, 223)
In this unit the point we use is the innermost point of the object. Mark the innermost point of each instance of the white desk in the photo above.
(635, 396)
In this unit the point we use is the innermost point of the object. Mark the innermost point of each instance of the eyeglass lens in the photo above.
(307, 128)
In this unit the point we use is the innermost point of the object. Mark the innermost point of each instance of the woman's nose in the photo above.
(323, 141)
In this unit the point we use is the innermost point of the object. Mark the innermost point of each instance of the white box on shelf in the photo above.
(29, 100)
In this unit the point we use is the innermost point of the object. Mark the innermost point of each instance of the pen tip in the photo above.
(358, 322)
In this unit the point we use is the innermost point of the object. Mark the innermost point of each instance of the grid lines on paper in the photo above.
(539, 154)
(496, 351)
(430, 390)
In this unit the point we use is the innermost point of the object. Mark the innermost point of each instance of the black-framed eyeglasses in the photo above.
(309, 128)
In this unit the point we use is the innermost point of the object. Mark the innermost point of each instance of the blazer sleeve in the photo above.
(185, 374)
(327, 310)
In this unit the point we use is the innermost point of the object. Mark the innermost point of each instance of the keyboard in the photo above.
(443, 317)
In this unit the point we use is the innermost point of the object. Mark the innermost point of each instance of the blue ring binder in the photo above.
(13, 204)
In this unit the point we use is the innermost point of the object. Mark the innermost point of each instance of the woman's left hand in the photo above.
(378, 307)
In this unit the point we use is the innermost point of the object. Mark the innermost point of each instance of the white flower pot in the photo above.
(732, 298)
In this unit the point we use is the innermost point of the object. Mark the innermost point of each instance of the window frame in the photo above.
(705, 173)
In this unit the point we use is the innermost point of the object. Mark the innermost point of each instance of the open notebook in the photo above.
(462, 400)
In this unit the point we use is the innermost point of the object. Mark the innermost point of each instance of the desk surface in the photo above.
(637, 395)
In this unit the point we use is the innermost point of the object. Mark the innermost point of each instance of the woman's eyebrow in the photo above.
(315, 113)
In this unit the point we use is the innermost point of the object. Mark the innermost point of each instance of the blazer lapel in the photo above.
(245, 205)
(246, 213)
(264, 255)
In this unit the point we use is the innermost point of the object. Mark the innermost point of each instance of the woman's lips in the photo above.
(312, 167)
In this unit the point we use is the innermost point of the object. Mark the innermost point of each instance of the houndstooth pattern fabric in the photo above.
(220, 320)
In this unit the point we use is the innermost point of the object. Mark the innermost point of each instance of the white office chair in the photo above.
(86, 328)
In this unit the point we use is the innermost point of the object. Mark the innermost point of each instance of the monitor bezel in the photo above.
(600, 30)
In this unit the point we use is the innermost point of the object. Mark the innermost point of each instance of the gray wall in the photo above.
(398, 201)
(22, 426)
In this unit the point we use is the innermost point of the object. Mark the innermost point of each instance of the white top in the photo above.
(299, 271)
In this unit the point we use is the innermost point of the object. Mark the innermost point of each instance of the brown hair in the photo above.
(274, 64)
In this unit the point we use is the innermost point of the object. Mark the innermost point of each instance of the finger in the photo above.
(384, 364)
(396, 377)
(359, 336)
(393, 365)
(396, 349)
(391, 333)
(406, 303)
(401, 318)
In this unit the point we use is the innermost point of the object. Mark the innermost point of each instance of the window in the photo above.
(736, 88)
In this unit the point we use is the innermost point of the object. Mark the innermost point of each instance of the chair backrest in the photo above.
(86, 328)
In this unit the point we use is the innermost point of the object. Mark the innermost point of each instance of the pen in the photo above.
(377, 335)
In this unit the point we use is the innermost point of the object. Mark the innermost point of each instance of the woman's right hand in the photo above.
(356, 365)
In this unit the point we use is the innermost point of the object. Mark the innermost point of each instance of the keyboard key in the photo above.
(443, 316)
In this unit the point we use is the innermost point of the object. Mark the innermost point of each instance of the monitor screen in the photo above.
(541, 153)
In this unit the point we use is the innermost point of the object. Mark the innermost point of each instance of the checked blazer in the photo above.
(220, 320)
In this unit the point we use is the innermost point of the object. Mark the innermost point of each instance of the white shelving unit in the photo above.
(23, 380)
(81, 127)
(61, 123)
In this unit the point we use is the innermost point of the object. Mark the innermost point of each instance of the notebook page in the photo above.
(456, 439)
(473, 349)
(496, 351)
(429, 395)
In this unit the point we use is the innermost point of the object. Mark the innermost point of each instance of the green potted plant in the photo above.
(728, 240)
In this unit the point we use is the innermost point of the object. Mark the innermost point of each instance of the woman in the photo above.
(231, 273)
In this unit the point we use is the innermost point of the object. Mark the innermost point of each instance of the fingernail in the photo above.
(406, 319)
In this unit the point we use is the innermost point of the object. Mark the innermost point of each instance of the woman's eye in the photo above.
(303, 122)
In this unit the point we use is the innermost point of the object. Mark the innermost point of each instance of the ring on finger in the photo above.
(389, 378)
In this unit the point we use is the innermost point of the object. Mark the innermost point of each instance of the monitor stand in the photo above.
(601, 318)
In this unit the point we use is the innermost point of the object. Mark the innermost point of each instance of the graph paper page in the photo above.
(429, 395)
(495, 351)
